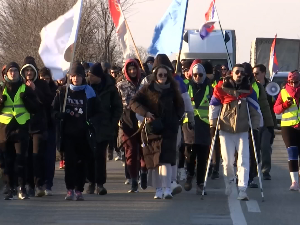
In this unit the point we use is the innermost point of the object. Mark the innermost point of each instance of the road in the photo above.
(121, 208)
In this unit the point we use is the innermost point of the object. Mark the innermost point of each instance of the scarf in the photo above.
(161, 87)
(89, 91)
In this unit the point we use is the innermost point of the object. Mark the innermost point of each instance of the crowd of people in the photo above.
(159, 117)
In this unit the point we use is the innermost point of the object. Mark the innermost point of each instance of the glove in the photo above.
(191, 118)
(212, 131)
(286, 104)
(3, 99)
(60, 115)
(271, 130)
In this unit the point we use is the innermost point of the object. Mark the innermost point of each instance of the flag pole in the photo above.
(181, 41)
(136, 50)
(72, 61)
(223, 37)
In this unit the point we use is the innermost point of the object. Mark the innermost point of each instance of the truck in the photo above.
(211, 48)
(287, 51)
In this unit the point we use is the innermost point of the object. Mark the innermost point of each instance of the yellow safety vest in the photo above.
(214, 84)
(14, 108)
(202, 110)
(290, 117)
(256, 89)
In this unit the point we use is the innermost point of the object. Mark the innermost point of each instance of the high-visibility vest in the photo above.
(202, 110)
(14, 108)
(291, 116)
(214, 84)
(256, 89)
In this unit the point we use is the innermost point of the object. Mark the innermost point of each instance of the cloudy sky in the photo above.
(250, 19)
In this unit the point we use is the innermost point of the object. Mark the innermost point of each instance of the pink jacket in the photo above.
(293, 92)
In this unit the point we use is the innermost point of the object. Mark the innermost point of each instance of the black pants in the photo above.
(50, 157)
(291, 137)
(14, 152)
(201, 152)
(97, 164)
(216, 157)
(253, 166)
(181, 156)
(35, 160)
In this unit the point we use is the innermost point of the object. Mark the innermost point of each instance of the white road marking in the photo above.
(253, 206)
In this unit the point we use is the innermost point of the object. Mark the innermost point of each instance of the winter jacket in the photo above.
(201, 133)
(169, 107)
(31, 103)
(293, 92)
(234, 114)
(108, 108)
(264, 105)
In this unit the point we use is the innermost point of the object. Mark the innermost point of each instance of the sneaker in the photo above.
(39, 192)
(128, 181)
(22, 194)
(199, 189)
(78, 196)
(48, 192)
(70, 195)
(143, 180)
(159, 193)
(215, 175)
(243, 196)
(252, 184)
(61, 164)
(188, 184)
(168, 194)
(294, 186)
(5, 189)
(175, 188)
(91, 189)
(228, 189)
(30, 192)
(267, 176)
(101, 190)
(134, 187)
(119, 156)
(182, 174)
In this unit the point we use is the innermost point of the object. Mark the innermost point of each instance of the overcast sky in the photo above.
(249, 18)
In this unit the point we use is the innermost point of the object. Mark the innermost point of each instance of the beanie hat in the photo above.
(294, 76)
(150, 59)
(77, 69)
(30, 60)
(97, 70)
(208, 67)
(198, 68)
(10, 65)
(186, 64)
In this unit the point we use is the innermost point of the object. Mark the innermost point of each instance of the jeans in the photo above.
(229, 143)
(266, 149)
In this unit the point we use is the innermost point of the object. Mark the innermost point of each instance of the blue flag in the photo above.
(168, 32)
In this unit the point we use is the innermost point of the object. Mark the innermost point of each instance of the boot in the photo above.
(101, 190)
(188, 184)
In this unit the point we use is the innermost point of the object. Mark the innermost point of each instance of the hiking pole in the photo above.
(254, 148)
(212, 146)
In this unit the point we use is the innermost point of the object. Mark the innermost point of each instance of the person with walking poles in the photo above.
(232, 101)
(287, 104)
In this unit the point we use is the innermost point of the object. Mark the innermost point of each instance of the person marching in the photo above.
(287, 104)
(75, 128)
(229, 104)
(108, 112)
(17, 102)
(197, 133)
(160, 102)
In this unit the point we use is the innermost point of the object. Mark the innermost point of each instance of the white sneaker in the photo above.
(48, 192)
(229, 187)
(243, 196)
(119, 157)
(168, 194)
(175, 188)
(182, 174)
(294, 186)
(128, 181)
(159, 193)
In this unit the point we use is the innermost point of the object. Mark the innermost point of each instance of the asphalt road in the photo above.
(121, 208)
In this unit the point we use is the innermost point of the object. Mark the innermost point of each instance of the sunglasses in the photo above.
(294, 82)
(237, 72)
(197, 74)
(162, 75)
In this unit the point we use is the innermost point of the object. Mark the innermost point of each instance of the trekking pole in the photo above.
(257, 164)
(212, 146)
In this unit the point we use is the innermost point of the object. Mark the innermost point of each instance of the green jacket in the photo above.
(109, 109)
(264, 105)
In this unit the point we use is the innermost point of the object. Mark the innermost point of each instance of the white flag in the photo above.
(58, 39)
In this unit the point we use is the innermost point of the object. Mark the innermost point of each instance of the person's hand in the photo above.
(150, 116)
(287, 104)
(30, 84)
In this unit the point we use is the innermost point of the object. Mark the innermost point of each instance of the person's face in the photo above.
(132, 71)
(76, 80)
(224, 70)
(162, 75)
(258, 74)
(29, 73)
(46, 78)
(150, 62)
(13, 74)
(186, 74)
(237, 74)
(294, 83)
(94, 79)
(198, 77)
(114, 73)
